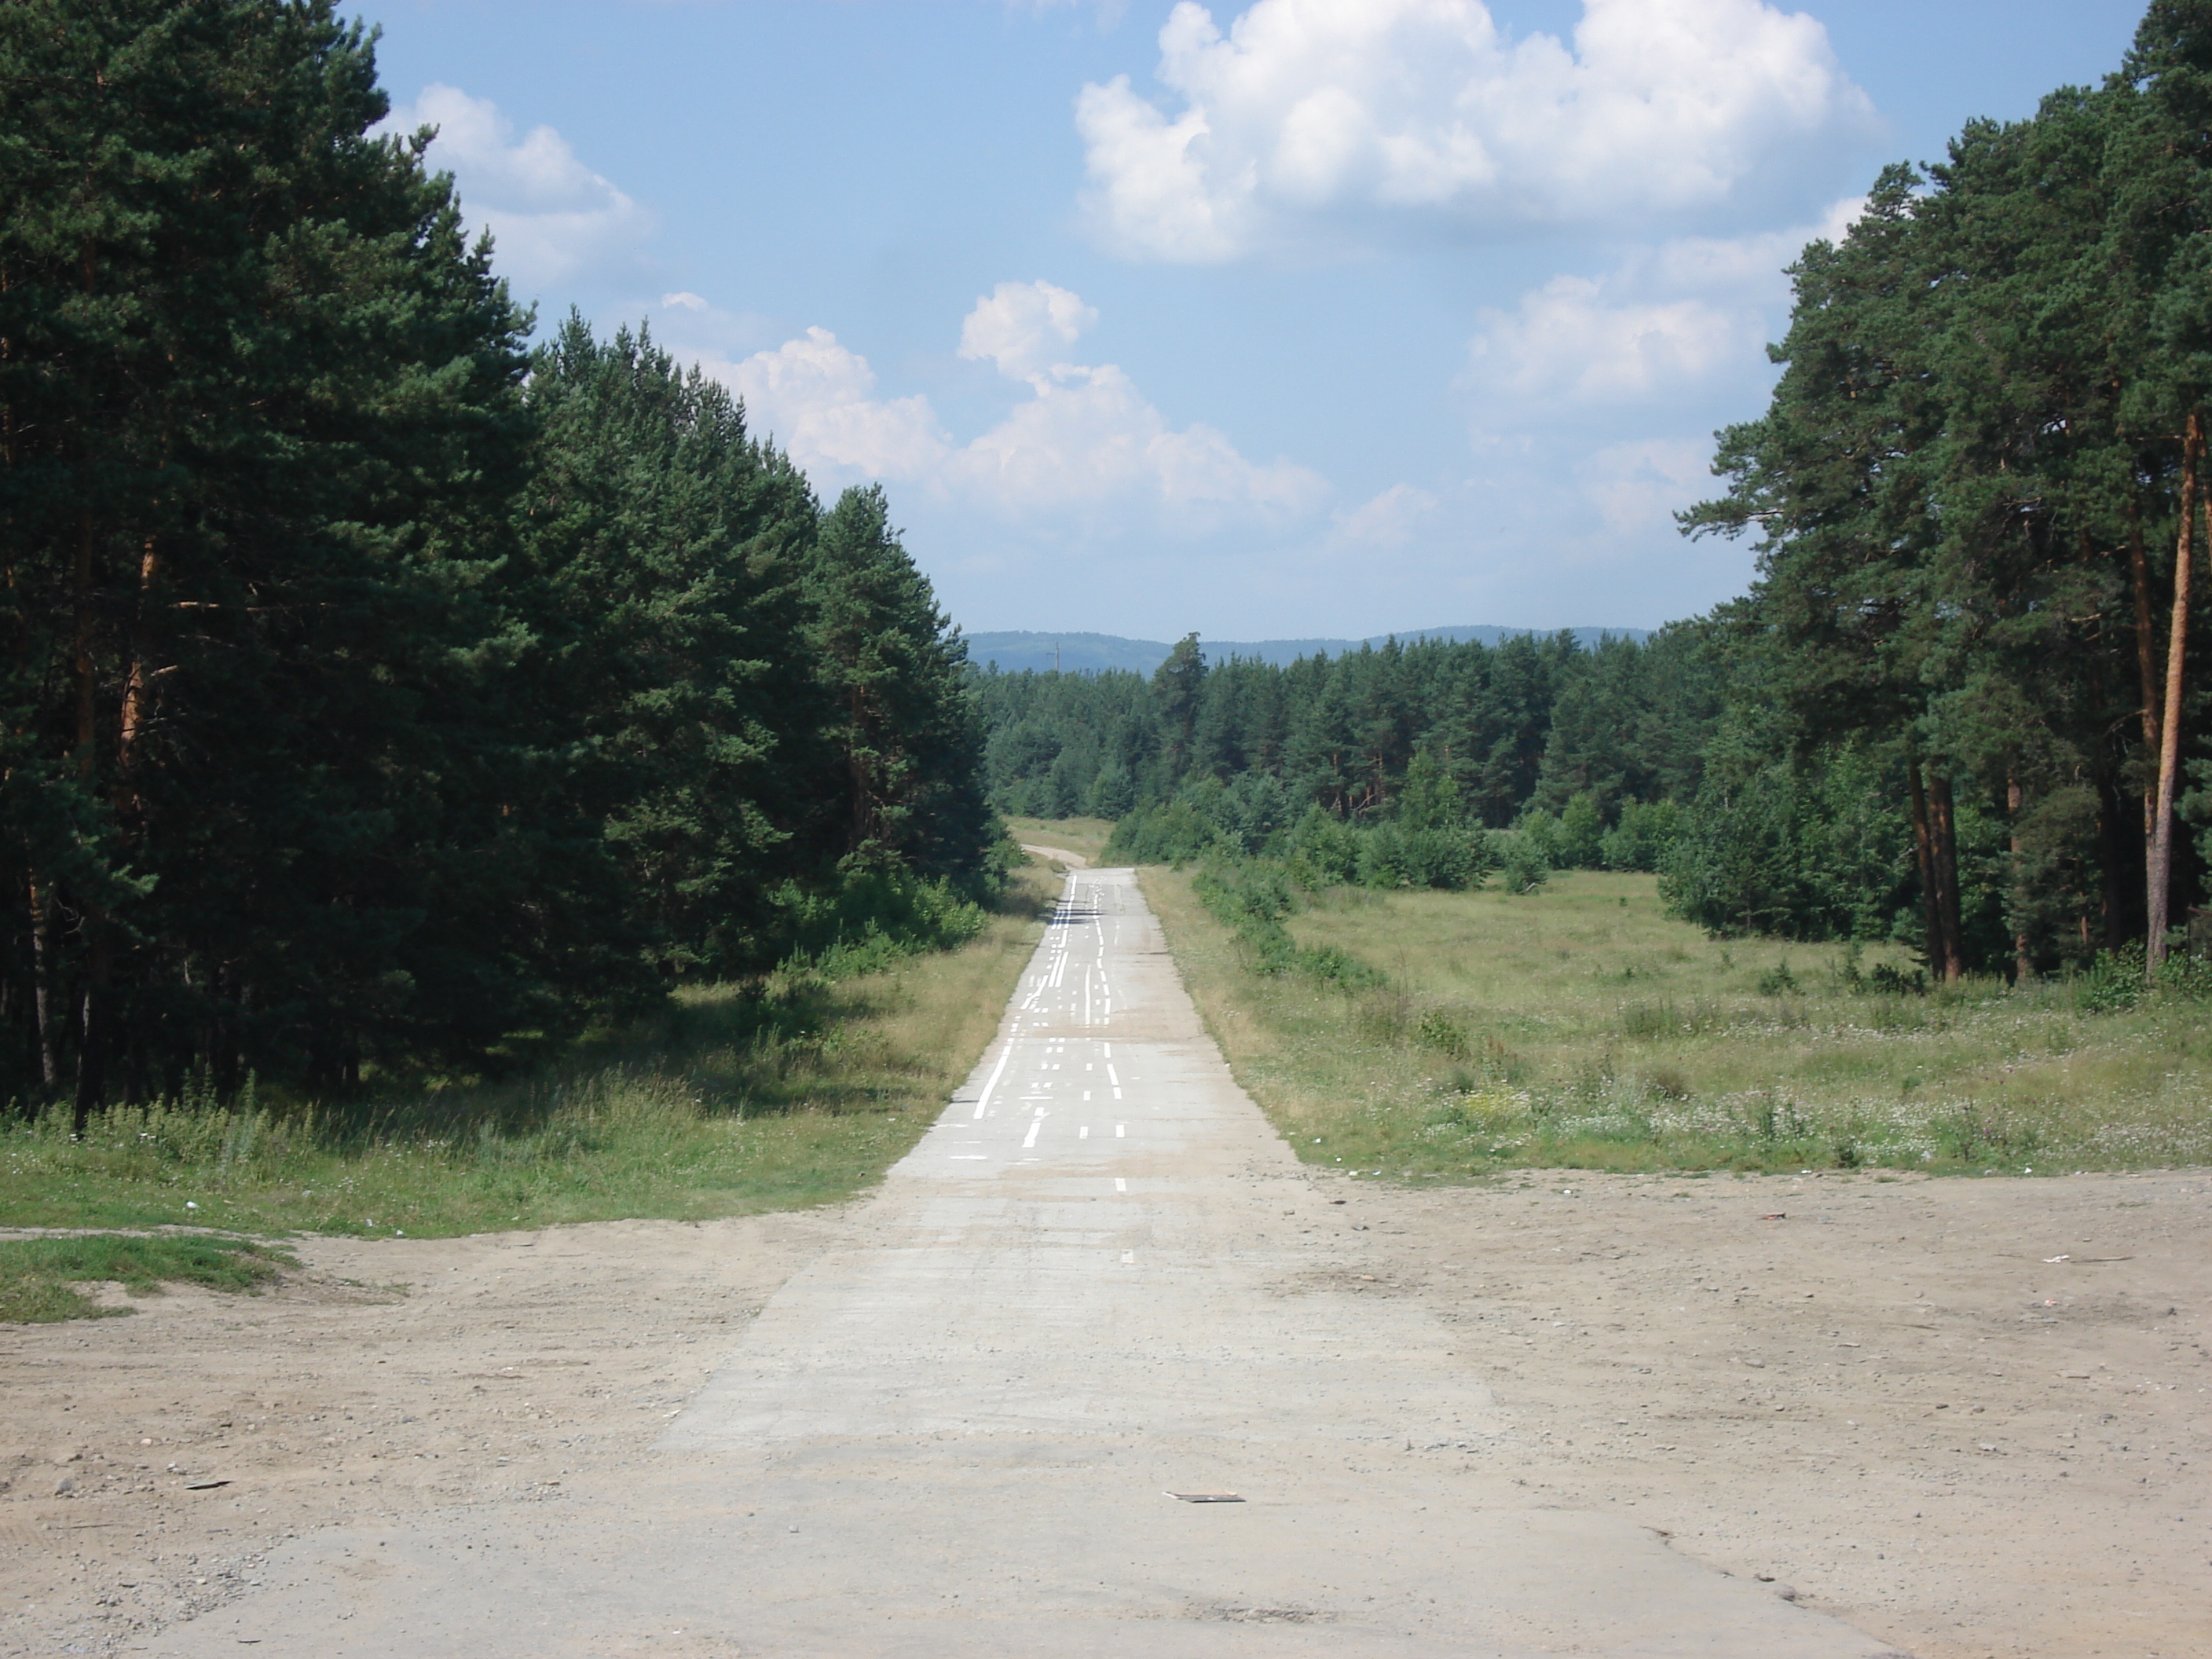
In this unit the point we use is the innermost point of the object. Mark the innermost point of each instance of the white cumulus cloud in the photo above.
(1085, 445)
(1388, 518)
(1024, 327)
(1340, 109)
(1088, 438)
(1567, 340)
(1667, 319)
(548, 214)
(817, 399)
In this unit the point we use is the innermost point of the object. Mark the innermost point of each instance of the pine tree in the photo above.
(260, 421)
(904, 725)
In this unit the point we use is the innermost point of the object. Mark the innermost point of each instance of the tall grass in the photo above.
(1579, 1026)
(796, 1091)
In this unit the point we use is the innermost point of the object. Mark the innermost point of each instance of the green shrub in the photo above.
(2115, 981)
(1647, 831)
(1524, 862)
(1779, 981)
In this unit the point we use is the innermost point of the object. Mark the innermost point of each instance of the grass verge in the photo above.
(40, 1277)
(1580, 1027)
(799, 1092)
(1084, 836)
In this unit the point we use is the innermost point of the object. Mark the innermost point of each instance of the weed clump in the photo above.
(40, 1277)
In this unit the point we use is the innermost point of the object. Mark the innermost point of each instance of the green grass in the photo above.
(1084, 836)
(799, 1092)
(1579, 1027)
(39, 1277)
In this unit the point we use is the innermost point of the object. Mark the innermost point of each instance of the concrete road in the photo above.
(1099, 1372)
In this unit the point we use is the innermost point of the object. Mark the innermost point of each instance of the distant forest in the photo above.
(1956, 707)
(382, 694)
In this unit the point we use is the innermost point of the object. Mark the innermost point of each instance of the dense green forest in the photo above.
(381, 692)
(1956, 707)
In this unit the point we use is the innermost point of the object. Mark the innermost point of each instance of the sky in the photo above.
(1284, 318)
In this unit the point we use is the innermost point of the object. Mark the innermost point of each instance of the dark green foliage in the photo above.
(1380, 766)
(671, 554)
(1966, 494)
(1646, 832)
(1524, 859)
(366, 708)
(1817, 853)
(902, 724)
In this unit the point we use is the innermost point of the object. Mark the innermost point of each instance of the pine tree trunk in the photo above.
(2159, 884)
(42, 979)
(137, 699)
(1943, 857)
(92, 1029)
(2023, 958)
(1923, 857)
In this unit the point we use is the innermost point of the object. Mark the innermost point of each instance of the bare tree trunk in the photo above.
(1943, 857)
(93, 1018)
(1923, 857)
(2159, 891)
(2023, 957)
(42, 977)
(91, 1032)
(138, 691)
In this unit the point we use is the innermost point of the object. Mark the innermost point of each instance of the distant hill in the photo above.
(1088, 654)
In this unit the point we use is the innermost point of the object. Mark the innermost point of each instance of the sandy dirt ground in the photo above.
(1891, 1400)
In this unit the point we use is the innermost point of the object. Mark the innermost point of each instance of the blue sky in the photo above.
(1291, 317)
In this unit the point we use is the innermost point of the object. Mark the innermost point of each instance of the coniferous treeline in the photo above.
(377, 690)
(1431, 736)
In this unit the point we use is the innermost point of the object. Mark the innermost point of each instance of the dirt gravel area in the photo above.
(388, 1378)
(1967, 1416)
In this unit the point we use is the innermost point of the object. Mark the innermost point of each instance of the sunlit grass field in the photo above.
(1084, 836)
(730, 1104)
(1579, 1027)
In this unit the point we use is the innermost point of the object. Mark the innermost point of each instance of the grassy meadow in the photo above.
(800, 1093)
(1579, 1027)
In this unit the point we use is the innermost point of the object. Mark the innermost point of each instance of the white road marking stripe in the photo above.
(1005, 1055)
(1112, 1075)
(1121, 1130)
(1128, 1258)
(1119, 1185)
(1084, 1133)
(1036, 1123)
